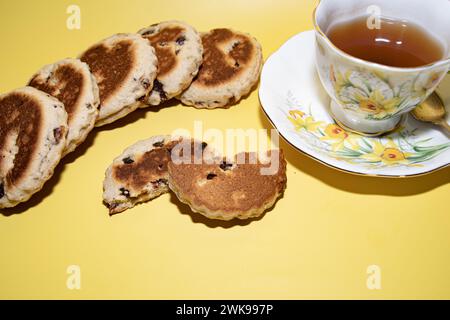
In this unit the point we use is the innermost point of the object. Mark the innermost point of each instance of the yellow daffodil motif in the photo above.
(296, 114)
(335, 132)
(388, 154)
(377, 104)
(392, 154)
(338, 137)
(338, 79)
(366, 91)
(370, 106)
(299, 120)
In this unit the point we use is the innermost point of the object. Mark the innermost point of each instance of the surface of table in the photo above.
(318, 242)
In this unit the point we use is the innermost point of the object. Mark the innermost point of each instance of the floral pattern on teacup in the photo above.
(372, 97)
(372, 92)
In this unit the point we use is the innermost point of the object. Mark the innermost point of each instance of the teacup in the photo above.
(371, 98)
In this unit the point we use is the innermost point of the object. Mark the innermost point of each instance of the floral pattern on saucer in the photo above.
(396, 149)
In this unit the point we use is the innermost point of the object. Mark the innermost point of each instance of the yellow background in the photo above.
(316, 243)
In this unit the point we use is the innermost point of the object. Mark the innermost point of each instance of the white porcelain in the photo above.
(295, 102)
(369, 97)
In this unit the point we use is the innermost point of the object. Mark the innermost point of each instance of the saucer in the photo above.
(296, 104)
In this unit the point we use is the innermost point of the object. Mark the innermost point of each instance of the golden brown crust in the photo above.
(165, 50)
(220, 66)
(110, 66)
(33, 130)
(20, 114)
(66, 85)
(149, 167)
(139, 174)
(231, 67)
